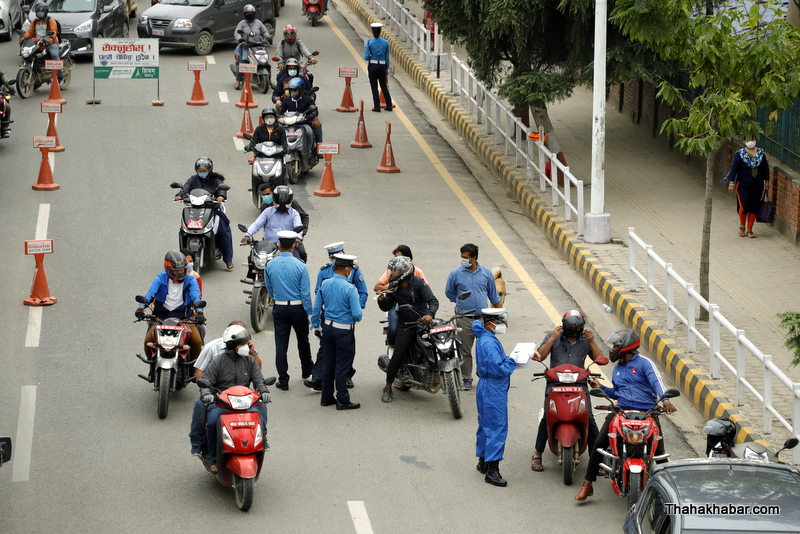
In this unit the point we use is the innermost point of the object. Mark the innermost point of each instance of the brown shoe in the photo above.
(586, 491)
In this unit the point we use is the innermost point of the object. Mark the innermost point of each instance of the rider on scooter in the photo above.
(210, 181)
(568, 343)
(297, 101)
(250, 25)
(637, 385)
(269, 130)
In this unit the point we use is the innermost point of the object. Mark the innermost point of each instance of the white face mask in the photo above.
(270, 121)
(750, 144)
(500, 329)
(244, 350)
(465, 263)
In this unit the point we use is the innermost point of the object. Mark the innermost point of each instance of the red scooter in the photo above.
(240, 453)
(567, 414)
(314, 10)
(634, 436)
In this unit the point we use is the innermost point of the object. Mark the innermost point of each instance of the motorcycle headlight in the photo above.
(259, 436)
(182, 23)
(168, 340)
(226, 437)
(552, 406)
(85, 26)
(27, 51)
(582, 406)
(444, 346)
(635, 435)
(260, 261)
(567, 378)
(143, 19)
(240, 402)
(750, 454)
(197, 201)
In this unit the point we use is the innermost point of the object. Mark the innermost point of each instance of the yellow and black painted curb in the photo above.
(703, 392)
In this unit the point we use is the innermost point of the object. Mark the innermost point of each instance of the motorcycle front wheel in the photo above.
(314, 18)
(567, 465)
(634, 488)
(259, 308)
(164, 382)
(67, 76)
(24, 83)
(243, 487)
(294, 171)
(453, 394)
(261, 82)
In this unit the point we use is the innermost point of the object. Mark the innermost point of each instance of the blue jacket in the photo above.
(158, 291)
(637, 383)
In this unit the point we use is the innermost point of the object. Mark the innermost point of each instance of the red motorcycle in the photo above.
(567, 414)
(240, 453)
(5, 109)
(634, 436)
(169, 356)
(314, 10)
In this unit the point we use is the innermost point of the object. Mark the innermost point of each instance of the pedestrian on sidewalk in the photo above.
(747, 177)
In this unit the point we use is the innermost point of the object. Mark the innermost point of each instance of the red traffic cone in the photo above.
(247, 124)
(327, 187)
(51, 132)
(198, 98)
(383, 98)
(55, 90)
(387, 162)
(246, 101)
(40, 291)
(361, 140)
(45, 182)
(347, 98)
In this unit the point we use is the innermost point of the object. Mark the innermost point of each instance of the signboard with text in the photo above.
(38, 246)
(41, 141)
(348, 72)
(328, 148)
(51, 107)
(197, 65)
(244, 68)
(126, 58)
(53, 64)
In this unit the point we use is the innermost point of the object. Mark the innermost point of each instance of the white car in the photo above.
(11, 18)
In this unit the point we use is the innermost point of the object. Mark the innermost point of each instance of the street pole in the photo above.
(598, 223)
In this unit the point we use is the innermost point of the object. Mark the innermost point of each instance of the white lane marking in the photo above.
(358, 512)
(51, 159)
(35, 312)
(211, 60)
(239, 143)
(223, 97)
(24, 441)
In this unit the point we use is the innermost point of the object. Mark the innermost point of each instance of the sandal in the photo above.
(213, 468)
(229, 266)
(741, 231)
(751, 234)
(536, 464)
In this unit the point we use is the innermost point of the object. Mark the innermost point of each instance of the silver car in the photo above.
(11, 18)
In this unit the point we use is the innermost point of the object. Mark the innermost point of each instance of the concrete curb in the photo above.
(702, 392)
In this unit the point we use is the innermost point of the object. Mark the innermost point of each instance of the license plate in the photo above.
(158, 32)
(195, 225)
(438, 329)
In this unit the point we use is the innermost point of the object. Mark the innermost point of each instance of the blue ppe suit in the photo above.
(494, 369)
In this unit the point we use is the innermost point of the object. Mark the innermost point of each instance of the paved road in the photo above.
(101, 460)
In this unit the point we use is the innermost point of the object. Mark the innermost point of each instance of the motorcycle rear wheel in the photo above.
(261, 83)
(164, 382)
(24, 83)
(567, 465)
(634, 488)
(243, 487)
(259, 308)
(453, 394)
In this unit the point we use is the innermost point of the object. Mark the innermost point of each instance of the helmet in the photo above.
(235, 335)
(41, 7)
(249, 8)
(292, 62)
(175, 265)
(289, 33)
(283, 196)
(401, 264)
(203, 163)
(573, 323)
(296, 84)
(268, 111)
(622, 342)
(721, 432)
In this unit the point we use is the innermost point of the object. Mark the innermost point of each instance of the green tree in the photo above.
(790, 321)
(738, 59)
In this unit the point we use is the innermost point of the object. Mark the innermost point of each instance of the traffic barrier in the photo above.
(347, 98)
(198, 98)
(40, 290)
(361, 140)
(246, 100)
(383, 98)
(387, 161)
(55, 89)
(327, 187)
(247, 124)
(45, 181)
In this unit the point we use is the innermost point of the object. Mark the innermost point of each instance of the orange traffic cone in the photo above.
(55, 90)
(347, 98)
(198, 98)
(247, 124)
(246, 100)
(40, 291)
(361, 140)
(327, 187)
(383, 98)
(45, 182)
(51, 132)
(387, 162)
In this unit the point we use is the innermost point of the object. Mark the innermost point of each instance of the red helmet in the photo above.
(622, 343)
(175, 265)
(289, 33)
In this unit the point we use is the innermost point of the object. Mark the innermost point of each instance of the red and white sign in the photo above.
(348, 72)
(391, 70)
(53, 64)
(328, 148)
(39, 246)
(197, 65)
(252, 68)
(44, 142)
(194, 225)
(51, 107)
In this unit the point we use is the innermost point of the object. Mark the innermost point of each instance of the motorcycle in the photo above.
(170, 366)
(314, 10)
(240, 454)
(5, 110)
(721, 443)
(198, 225)
(304, 72)
(633, 436)
(268, 166)
(435, 361)
(5, 450)
(567, 414)
(32, 73)
(298, 160)
(257, 55)
(261, 252)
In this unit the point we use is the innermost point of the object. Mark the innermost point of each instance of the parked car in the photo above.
(83, 20)
(11, 18)
(683, 496)
(199, 24)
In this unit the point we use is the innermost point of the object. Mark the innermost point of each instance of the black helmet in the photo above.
(721, 432)
(235, 335)
(401, 264)
(41, 7)
(622, 342)
(283, 196)
(204, 163)
(175, 265)
(268, 111)
(573, 323)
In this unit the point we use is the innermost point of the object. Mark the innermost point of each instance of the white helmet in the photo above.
(235, 335)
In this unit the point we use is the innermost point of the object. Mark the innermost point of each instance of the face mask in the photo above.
(244, 350)
(202, 174)
(750, 144)
(500, 329)
(295, 94)
(267, 199)
(270, 121)
(250, 17)
(465, 262)
(293, 72)
(190, 266)
(40, 14)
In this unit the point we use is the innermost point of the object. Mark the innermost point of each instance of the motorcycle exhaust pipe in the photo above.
(608, 454)
(607, 468)
(660, 457)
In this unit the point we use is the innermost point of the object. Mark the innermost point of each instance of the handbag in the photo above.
(766, 212)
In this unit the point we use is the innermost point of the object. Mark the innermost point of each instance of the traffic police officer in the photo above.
(357, 279)
(376, 54)
(287, 281)
(338, 300)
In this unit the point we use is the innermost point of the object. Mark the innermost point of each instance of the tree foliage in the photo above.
(790, 321)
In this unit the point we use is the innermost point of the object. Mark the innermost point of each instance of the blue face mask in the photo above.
(267, 199)
(40, 14)
(202, 174)
(190, 266)
(465, 263)
(293, 73)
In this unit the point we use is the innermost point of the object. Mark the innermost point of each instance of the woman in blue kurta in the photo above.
(748, 177)
(494, 370)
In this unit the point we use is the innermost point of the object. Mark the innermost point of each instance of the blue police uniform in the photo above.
(286, 279)
(376, 54)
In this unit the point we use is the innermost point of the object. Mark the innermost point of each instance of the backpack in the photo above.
(58, 27)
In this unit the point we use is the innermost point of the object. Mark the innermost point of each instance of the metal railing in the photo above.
(684, 307)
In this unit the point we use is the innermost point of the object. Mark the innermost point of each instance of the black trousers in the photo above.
(406, 336)
(285, 318)
(593, 467)
(339, 346)
(378, 75)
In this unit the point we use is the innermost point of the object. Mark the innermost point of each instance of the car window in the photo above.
(71, 6)
(653, 518)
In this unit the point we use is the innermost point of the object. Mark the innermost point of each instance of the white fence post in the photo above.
(767, 394)
(740, 369)
(713, 340)
(670, 298)
(690, 318)
(651, 296)
(631, 259)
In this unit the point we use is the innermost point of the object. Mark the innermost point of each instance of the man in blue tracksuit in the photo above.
(637, 384)
(494, 369)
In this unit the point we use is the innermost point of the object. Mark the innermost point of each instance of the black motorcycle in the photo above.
(256, 49)
(5, 109)
(5, 450)
(268, 166)
(298, 160)
(261, 252)
(197, 233)
(721, 443)
(32, 72)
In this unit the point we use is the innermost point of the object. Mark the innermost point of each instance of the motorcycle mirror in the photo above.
(269, 381)
(275, 58)
(312, 108)
(26, 9)
(5, 450)
(175, 185)
(405, 307)
(12, 82)
(597, 392)
(464, 295)
(200, 304)
(247, 136)
(204, 383)
(671, 393)
(141, 300)
(314, 89)
(224, 187)
(601, 360)
(315, 53)
(242, 227)
(790, 443)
